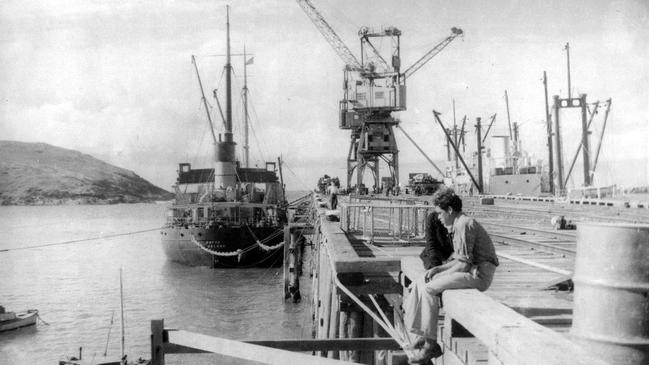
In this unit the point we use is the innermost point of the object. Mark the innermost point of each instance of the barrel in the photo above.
(611, 298)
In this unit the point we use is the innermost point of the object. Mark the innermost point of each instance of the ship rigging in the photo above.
(228, 215)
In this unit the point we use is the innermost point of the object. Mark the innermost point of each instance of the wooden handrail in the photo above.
(168, 341)
(511, 337)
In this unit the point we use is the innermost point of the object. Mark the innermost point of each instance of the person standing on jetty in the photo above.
(333, 191)
(472, 265)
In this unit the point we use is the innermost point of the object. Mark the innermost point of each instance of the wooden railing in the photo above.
(509, 337)
(398, 222)
(281, 352)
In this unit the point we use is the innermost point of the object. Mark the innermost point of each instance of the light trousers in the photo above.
(421, 306)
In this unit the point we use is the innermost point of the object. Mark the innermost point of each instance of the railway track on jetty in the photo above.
(522, 232)
(525, 210)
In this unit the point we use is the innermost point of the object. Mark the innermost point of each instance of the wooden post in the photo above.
(287, 237)
(381, 356)
(300, 255)
(372, 224)
(316, 284)
(325, 295)
(355, 331)
(334, 319)
(365, 223)
(343, 329)
(416, 221)
(346, 211)
(157, 346)
(400, 222)
(409, 220)
(367, 357)
(293, 259)
(321, 280)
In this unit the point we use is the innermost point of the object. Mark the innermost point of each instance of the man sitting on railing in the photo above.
(472, 265)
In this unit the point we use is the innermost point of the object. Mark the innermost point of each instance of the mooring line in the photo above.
(387, 327)
(80, 240)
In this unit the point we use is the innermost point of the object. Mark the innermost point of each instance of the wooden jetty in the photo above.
(366, 253)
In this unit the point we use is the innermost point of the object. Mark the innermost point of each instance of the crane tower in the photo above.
(374, 88)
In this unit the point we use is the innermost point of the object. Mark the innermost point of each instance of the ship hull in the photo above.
(223, 247)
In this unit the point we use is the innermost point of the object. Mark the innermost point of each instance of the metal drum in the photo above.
(611, 299)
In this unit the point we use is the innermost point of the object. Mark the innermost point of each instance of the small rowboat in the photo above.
(12, 320)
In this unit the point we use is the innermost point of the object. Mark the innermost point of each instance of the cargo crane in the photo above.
(373, 90)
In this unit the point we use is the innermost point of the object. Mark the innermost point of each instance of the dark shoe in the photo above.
(427, 353)
(418, 343)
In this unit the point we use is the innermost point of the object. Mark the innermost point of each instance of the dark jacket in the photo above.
(439, 246)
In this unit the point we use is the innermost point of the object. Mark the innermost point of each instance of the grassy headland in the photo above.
(42, 174)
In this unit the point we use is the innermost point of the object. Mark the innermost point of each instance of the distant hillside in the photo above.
(41, 174)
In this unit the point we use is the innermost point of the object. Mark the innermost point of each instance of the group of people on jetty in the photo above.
(459, 254)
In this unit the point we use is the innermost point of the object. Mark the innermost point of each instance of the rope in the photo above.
(80, 240)
(301, 199)
(222, 254)
(304, 185)
(242, 251)
(38, 316)
(268, 238)
(270, 248)
(403, 337)
(405, 345)
(268, 257)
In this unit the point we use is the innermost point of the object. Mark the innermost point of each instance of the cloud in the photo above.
(114, 79)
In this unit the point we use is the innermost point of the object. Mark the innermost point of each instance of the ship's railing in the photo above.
(376, 219)
(255, 215)
(264, 221)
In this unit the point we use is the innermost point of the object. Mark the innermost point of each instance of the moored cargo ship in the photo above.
(227, 215)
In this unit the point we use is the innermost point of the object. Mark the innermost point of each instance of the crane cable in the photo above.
(80, 240)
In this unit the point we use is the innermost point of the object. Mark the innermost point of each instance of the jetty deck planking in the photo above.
(384, 263)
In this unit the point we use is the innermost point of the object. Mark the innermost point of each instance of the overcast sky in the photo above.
(114, 79)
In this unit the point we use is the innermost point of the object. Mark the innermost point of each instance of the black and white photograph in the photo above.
(324, 182)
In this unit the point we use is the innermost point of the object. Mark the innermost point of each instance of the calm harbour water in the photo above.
(75, 287)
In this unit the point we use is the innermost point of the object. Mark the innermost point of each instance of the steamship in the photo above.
(227, 215)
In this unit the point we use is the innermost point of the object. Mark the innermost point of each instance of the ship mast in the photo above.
(246, 147)
(228, 84)
(225, 170)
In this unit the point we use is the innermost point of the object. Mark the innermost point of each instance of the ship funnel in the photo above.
(225, 170)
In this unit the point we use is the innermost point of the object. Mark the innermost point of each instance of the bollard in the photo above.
(611, 300)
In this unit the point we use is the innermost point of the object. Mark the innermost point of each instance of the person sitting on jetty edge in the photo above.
(472, 265)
